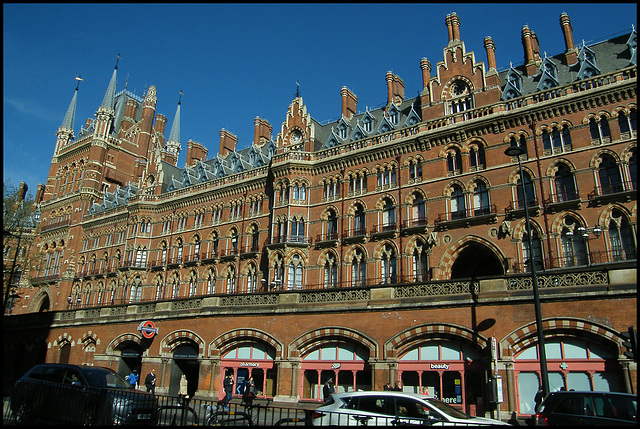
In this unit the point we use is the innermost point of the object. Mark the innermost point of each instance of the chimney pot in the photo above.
(425, 65)
(455, 24)
(447, 21)
(491, 52)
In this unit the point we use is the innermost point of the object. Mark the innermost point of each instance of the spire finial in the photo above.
(180, 99)
(126, 82)
(117, 59)
(297, 90)
(79, 79)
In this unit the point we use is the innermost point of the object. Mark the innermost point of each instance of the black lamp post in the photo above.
(515, 150)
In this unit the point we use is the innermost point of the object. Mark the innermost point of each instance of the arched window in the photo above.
(136, 290)
(231, 280)
(621, 237)
(332, 226)
(418, 210)
(536, 245)
(359, 224)
(420, 262)
(565, 184)
(388, 265)
(234, 242)
(481, 199)
(574, 249)
(159, 288)
(476, 157)
(609, 175)
(330, 272)
(599, 129)
(196, 248)
(528, 186)
(454, 162)
(215, 244)
(175, 287)
(211, 283)
(297, 230)
(388, 216)
(295, 273)
(193, 285)
(255, 239)
(358, 269)
(633, 169)
(458, 203)
(252, 278)
(179, 253)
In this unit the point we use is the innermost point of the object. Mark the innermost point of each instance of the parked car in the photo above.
(587, 408)
(391, 408)
(60, 393)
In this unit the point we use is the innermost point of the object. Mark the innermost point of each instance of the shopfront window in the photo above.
(583, 366)
(251, 360)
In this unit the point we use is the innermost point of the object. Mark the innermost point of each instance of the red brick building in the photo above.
(389, 245)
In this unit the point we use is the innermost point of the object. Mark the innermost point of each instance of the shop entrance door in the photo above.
(185, 361)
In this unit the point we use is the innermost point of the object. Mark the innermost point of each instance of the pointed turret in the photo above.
(65, 132)
(106, 113)
(111, 89)
(173, 143)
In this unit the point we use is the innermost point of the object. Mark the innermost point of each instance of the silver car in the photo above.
(391, 408)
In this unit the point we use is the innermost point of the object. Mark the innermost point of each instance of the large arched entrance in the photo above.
(476, 260)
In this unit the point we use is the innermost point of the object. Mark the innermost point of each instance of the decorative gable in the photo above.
(632, 43)
(587, 61)
(548, 75)
(412, 118)
(513, 87)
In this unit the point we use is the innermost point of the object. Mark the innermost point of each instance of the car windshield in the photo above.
(99, 377)
(447, 409)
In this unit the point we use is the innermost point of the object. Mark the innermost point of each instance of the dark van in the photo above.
(87, 395)
(587, 408)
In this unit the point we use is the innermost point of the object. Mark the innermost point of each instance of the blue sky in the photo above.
(234, 62)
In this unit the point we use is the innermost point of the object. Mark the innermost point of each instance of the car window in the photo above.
(447, 409)
(72, 377)
(407, 407)
(372, 404)
(570, 405)
(48, 373)
(614, 407)
(99, 377)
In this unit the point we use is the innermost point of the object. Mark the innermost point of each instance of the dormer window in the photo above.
(367, 124)
(393, 115)
(342, 131)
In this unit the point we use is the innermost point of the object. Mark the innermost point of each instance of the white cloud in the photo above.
(30, 108)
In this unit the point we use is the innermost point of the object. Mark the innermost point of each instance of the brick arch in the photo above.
(520, 229)
(625, 155)
(305, 342)
(350, 252)
(226, 341)
(558, 222)
(527, 335)
(63, 339)
(177, 338)
(324, 255)
(407, 339)
(122, 339)
(553, 166)
(605, 215)
(450, 256)
(596, 158)
(39, 297)
(380, 203)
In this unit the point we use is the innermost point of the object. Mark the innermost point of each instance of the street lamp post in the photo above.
(515, 150)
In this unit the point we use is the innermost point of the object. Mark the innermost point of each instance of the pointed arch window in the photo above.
(528, 189)
(419, 210)
(196, 248)
(574, 249)
(609, 176)
(420, 262)
(358, 269)
(476, 157)
(458, 203)
(158, 288)
(359, 224)
(388, 265)
(388, 216)
(454, 162)
(211, 283)
(331, 272)
(175, 287)
(332, 225)
(621, 237)
(255, 239)
(193, 285)
(231, 281)
(135, 294)
(234, 242)
(599, 129)
(627, 124)
(481, 204)
(415, 170)
(536, 245)
(295, 273)
(565, 184)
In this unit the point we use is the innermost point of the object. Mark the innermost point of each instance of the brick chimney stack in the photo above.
(195, 152)
(425, 65)
(571, 54)
(262, 131)
(529, 60)
(228, 142)
(22, 191)
(455, 26)
(395, 88)
(490, 47)
(447, 21)
(39, 193)
(161, 123)
(349, 103)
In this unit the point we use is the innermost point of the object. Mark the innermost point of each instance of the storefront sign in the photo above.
(439, 366)
(252, 364)
(148, 329)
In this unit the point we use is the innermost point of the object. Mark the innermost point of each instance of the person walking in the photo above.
(228, 390)
(328, 389)
(250, 392)
(133, 378)
(150, 382)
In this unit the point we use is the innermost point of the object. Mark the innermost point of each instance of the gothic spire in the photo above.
(174, 135)
(111, 89)
(70, 117)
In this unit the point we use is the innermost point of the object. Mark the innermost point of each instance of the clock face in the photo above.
(296, 136)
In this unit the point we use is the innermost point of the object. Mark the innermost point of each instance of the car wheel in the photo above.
(23, 414)
(89, 417)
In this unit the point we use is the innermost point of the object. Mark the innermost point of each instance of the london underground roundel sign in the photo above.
(148, 329)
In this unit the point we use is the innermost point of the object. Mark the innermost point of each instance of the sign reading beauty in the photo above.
(148, 329)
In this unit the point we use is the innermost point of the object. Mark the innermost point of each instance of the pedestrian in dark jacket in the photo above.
(328, 389)
(150, 382)
(228, 390)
